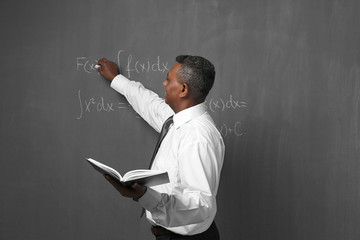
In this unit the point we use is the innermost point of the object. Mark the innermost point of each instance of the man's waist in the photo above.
(161, 231)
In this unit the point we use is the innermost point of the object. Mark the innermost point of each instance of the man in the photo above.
(192, 152)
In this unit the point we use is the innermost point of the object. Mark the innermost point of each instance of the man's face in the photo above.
(172, 86)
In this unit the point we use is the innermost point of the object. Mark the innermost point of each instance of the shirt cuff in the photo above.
(150, 199)
(119, 83)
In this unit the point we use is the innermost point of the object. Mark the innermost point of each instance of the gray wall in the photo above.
(286, 100)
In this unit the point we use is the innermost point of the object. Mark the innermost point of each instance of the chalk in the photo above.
(97, 66)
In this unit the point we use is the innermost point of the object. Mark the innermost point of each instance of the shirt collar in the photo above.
(189, 114)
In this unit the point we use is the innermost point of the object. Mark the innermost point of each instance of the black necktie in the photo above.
(164, 131)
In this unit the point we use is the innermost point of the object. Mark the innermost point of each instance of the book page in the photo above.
(112, 172)
(140, 173)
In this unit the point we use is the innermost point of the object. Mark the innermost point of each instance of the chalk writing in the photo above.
(85, 64)
(138, 65)
(236, 129)
(221, 104)
(132, 64)
(228, 103)
(98, 105)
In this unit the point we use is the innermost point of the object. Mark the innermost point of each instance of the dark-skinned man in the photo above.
(192, 152)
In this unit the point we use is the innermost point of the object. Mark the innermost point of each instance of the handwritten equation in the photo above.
(132, 65)
(87, 105)
(237, 129)
(228, 103)
(101, 105)
(223, 104)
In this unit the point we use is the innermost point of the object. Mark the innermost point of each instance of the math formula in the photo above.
(131, 65)
(222, 104)
(137, 65)
(87, 105)
(127, 63)
(234, 107)
(237, 129)
(100, 105)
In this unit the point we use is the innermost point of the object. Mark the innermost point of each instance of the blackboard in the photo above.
(286, 100)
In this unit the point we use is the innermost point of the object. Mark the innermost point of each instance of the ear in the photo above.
(184, 90)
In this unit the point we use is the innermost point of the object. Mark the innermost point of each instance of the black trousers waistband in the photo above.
(211, 233)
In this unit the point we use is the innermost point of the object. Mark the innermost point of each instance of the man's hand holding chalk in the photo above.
(107, 69)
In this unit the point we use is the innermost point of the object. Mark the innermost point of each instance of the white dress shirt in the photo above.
(192, 153)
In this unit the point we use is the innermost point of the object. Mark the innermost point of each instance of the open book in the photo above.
(144, 177)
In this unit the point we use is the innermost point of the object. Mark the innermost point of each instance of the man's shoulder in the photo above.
(200, 129)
